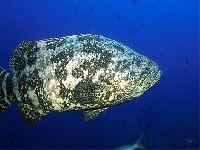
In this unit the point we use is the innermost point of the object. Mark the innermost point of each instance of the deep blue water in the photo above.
(167, 31)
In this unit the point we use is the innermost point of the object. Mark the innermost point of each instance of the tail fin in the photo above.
(138, 143)
(6, 90)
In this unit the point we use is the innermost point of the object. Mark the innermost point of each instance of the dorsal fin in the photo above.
(27, 50)
(52, 43)
(19, 58)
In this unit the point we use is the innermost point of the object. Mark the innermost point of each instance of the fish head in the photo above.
(144, 73)
(130, 74)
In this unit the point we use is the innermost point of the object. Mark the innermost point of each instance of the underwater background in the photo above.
(166, 31)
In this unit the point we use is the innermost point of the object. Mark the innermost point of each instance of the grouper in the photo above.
(79, 72)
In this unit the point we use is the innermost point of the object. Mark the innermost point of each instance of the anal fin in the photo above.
(90, 114)
(29, 114)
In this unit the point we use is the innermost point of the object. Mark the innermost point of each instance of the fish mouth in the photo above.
(159, 74)
(155, 71)
(153, 77)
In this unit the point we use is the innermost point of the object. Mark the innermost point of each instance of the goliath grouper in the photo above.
(78, 72)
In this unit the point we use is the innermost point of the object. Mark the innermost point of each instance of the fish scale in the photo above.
(79, 72)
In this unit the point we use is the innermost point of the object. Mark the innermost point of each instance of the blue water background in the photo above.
(167, 31)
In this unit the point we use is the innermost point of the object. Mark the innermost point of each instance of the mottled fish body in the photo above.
(79, 72)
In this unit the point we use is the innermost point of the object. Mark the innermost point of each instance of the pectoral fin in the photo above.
(29, 114)
(90, 114)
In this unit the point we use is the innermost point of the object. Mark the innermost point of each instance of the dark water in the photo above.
(167, 31)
